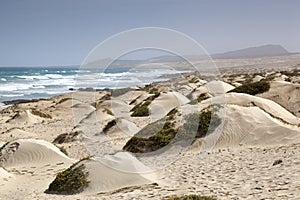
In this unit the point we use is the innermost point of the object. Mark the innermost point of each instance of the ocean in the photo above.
(44, 82)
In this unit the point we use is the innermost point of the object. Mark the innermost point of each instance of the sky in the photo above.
(63, 32)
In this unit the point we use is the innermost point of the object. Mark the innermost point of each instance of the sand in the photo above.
(234, 162)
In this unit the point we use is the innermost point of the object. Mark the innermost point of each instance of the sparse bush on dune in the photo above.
(154, 136)
(108, 111)
(62, 149)
(153, 143)
(66, 137)
(141, 109)
(196, 125)
(294, 72)
(200, 98)
(253, 88)
(109, 125)
(40, 113)
(200, 124)
(71, 181)
(190, 197)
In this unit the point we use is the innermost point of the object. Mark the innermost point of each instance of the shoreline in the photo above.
(127, 131)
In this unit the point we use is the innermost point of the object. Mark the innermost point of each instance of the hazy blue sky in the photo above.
(61, 32)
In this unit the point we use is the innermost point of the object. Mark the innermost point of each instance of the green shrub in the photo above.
(191, 197)
(253, 88)
(202, 97)
(108, 111)
(71, 181)
(141, 110)
(40, 113)
(62, 149)
(66, 137)
(201, 124)
(109, 125)
(294, 72)
(158, 136)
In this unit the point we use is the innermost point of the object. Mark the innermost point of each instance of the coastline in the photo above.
(103, 124)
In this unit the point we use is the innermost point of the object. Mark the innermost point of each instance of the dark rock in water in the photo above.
(71, 89)
(277, 162)
(19, 101)
(86, 89)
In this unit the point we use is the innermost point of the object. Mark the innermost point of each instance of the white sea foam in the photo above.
(12, 95)
(54, 76)
(14, 87)
(33, 77)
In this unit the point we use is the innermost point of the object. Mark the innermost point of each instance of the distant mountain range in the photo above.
(254, 52)
(251, 52)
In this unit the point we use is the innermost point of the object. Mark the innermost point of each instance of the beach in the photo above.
(250, 151)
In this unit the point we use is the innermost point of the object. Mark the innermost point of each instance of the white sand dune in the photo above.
(163, 104)
(252, 126)
(17, 133)
(4, 174)
(117, 171)
(247, 100)
(81, 111)
(118, 107)
(133, 95)
(26, 117)
(68, 103)
(30, 152)
(285, 94)
(251, 120)
(218, 87)
(122, 131)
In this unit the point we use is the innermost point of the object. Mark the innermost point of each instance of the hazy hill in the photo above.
(253, 52)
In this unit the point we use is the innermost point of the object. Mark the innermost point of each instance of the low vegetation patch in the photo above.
(154, 136)
(40, 113)
(253, 88)
(200, 98)
(151, 89)
(291, 73)
(141, 109)
(105, 97)
(62, 149)
(109, 125)
(191, 197)
(108, 111)
(66, 137)
(3, 146)
(200, 124)
(71, 181)
(153, 143)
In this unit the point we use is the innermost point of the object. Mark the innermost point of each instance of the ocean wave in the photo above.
(37, 87)
(12, 95)
(3, 79)
(42, 77)
(53, 76)
(14, 87)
